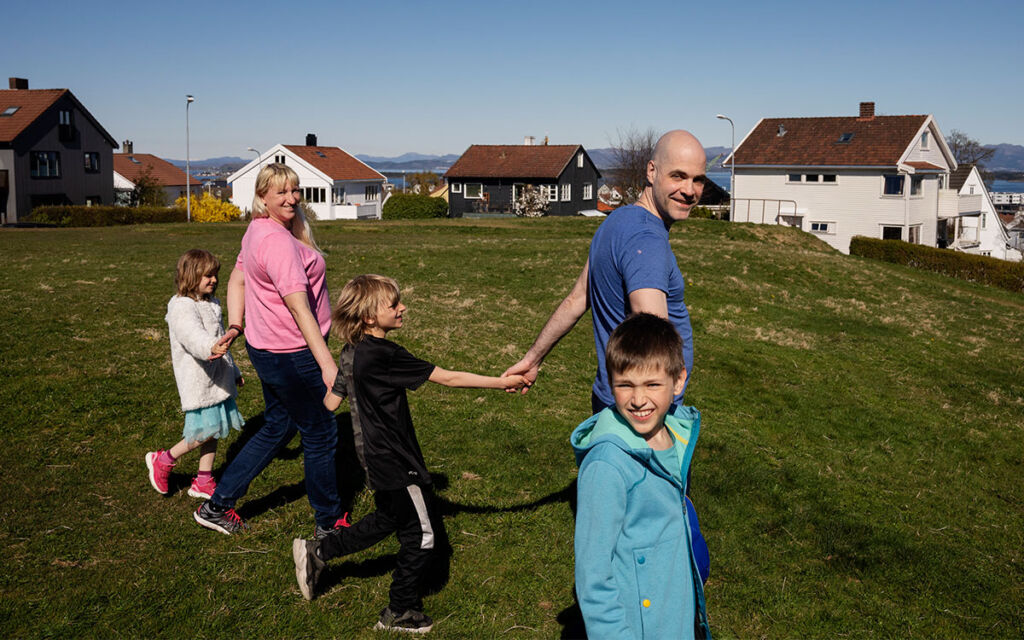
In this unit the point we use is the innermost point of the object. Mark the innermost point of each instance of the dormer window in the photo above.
(845, 138)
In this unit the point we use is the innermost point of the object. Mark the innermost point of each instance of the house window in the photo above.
(64, 131)
(9, 111)
(845, 138)
(371, 193)
(828, 177)
(549, 192)
(456, 187)
(279, 159)
(811, 177)
(313, 194)
(823, 227)
(579, 160)
(892, 233)
(44, 164)
(914, 234)
(65, 117)
(474, 190)
(588, 191)
(915, 185)
(92, 162)
(566, 192)
(893, 185)
(987, 253)
(794, 177)
(337, 195)
(924, 140)
(983, 221)
(92, 201)
(971, 192)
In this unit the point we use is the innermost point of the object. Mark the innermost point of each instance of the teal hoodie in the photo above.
(636, 576)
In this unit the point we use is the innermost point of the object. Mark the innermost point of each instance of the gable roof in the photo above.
(513, 161)
(959, 177)
(335, 163)
(32, 103)
(164, 173)
(876, 141)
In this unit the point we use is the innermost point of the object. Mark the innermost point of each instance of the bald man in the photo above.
(631, 267)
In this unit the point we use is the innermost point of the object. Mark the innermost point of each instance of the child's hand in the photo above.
(515, 382)
(219, 349)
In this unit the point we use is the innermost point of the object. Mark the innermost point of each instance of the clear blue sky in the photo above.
(384, 78)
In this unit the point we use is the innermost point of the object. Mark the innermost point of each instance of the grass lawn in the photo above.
(858, 473)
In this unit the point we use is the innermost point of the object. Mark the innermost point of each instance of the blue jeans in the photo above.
(293, 392)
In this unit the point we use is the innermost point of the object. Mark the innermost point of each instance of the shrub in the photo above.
(411, 206)
(104, 216)
(703, 213)
(208, 208)
(965, 266)
(531, 203)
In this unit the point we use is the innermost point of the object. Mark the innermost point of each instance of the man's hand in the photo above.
(221, 346)
(527, 370)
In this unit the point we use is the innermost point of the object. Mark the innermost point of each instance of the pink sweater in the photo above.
(275, 264)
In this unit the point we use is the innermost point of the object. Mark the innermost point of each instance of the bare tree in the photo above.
(631, 153)
(967, 150)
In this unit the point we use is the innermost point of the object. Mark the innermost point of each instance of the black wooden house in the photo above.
(490, 178)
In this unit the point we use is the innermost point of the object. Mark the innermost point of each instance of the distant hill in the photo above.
(1008, 157)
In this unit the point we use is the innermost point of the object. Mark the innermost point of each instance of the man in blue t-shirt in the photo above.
(631, 267)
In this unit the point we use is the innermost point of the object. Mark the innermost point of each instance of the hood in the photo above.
(609, 426)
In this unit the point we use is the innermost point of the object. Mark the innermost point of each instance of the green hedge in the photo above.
(410, 206)
(103, 216)
(965, 266)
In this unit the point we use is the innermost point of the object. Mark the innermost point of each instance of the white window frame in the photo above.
(552, 190)
(371, 193)
(903, 185)
(824, 228)
(479, 188)
(338, 195)
(825, 178)
(579, 160)
(799, 178)
(924, 140)
(588, 191)
(566, 190)
(914, 234)
(917, 181)
(456, 187)
(279, 158)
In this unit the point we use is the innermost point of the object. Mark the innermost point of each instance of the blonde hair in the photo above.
(360, 299)
(275, 176)
(192, 266)
(642, 341)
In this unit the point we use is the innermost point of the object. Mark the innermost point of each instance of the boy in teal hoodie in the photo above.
(636, 574)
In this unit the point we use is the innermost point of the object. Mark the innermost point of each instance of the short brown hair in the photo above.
(192, 266)
(360, 298)
(645, 340)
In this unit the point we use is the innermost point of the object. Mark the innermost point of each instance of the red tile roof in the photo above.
(876, 141)
(513, 161)
(334, 162)
(164, 173)
(925, 166)
(31, 104)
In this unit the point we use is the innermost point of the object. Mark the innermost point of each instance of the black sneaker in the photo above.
(226, 521)
(307, 566)
(322, 532)
(409, 621)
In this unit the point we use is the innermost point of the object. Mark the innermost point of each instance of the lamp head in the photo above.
(721, 117)
(189, 98)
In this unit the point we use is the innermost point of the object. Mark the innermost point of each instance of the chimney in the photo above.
(867, 110)
(310, 139)
(781, 131)
(126, 147)
(528, 141)
(18, 83)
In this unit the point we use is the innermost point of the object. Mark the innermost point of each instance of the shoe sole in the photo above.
(150, 458)
(380, 626)
(199, 494)
(210, 525)
(301, 567)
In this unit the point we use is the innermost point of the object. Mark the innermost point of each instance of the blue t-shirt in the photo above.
(630, 251)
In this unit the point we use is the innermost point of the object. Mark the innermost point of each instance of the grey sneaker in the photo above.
(410, 621)
(307, 566)
(226, 521)
(322, 532)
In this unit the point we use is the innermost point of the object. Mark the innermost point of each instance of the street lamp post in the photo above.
(732, 169)
(257, 156)
(188, 183)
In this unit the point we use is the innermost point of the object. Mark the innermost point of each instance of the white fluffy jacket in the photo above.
(194, 327)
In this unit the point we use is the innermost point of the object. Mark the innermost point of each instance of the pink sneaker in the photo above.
(201, 489)
(158, 471)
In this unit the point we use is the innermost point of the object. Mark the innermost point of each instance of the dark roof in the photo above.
(337, 164)
(164, 173)
(959, 177)
(513, 161)
(876, 141)
(31, 104)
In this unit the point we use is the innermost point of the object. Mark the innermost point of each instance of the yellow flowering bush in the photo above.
(207, 208)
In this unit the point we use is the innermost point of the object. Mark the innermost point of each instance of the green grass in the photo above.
(858, 474)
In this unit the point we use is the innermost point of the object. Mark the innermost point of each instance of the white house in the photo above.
(980, 231)
(838, 177)
(335, 184)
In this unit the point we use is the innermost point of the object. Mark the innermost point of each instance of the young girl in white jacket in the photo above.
(205, 373)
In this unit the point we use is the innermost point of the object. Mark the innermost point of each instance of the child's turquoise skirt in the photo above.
(212, 422)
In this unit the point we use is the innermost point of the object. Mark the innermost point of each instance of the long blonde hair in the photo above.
(274, 176)
(360, 299)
